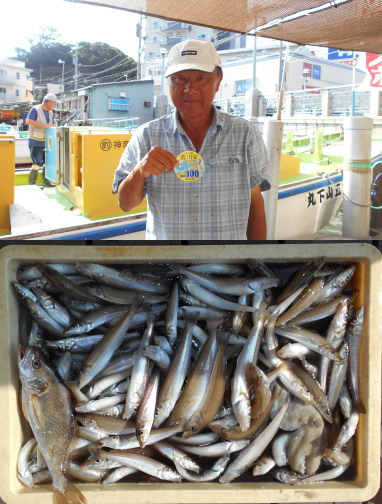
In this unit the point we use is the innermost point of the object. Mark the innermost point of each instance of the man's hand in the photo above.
(156, 161)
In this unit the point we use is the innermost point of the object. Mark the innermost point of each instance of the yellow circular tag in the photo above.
(190, 167)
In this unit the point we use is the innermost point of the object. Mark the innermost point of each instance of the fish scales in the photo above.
(158, 288)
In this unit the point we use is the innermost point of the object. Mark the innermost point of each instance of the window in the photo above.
(202, 36)
(120, 104)
(153, 54)
(17, 75)
(153, 40)
(154, 25)
(3, 90)
(17, 92)
(243, 85)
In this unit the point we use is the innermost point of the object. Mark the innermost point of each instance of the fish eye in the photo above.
(36, 363)
(193, 428)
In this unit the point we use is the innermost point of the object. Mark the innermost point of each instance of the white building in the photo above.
(16, 85)
(304, 72)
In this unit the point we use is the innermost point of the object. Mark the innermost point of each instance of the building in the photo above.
(16, 86)
(160, 36)
(305, 72)
(113, 102)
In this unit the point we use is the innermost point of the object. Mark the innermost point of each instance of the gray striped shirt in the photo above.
(214, 207)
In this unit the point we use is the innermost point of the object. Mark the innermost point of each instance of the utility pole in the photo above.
(75, 63)
(139, 35)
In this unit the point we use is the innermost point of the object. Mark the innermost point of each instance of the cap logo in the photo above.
(189, 53)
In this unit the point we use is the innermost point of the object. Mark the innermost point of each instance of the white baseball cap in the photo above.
(51, 97)
(192, 55)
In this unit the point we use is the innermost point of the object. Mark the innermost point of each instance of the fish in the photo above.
(172, 384)
(139, 374)
(102, 353)
(212, 299)
(145, 464)
(196, 352)
(214, 393)
(248, 456)
(120, 279)
(354, 338)
(307, 298)
(233, 285)
(302, 277)
(211, 474)
(240, 397)
(47, 406)
(65, 285)
(311, 339)
(146, 409)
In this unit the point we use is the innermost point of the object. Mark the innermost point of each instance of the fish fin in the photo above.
(71, 496)
(36, 412)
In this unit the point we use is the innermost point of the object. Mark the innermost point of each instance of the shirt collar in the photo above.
(217, 122)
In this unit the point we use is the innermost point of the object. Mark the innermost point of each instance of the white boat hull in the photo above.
(303, 208)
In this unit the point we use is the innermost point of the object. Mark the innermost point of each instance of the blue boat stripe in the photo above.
(101, 234)
(311, 187)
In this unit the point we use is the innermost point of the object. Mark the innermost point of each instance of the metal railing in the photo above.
(340, 103)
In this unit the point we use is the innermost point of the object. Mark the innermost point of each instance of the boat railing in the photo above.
(126, 122)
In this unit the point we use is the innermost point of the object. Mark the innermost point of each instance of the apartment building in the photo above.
(15, 83)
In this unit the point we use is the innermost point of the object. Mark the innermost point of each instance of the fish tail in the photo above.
(359, 406)
(70, 496)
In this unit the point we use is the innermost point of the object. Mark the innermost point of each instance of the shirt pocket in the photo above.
(228, 170)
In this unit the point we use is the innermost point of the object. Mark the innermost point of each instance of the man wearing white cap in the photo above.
(200, 169)
(39, 118)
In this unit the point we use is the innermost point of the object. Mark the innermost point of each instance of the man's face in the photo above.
(192, 92)
(49, 105)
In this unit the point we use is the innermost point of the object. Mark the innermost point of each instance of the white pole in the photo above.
(357, 177)
(273, 138)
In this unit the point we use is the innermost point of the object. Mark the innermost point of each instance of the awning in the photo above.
(351, 25)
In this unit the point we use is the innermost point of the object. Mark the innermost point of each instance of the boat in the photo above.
(81, 162)
(22, 154)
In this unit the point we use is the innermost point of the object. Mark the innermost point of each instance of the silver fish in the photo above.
(102, 353)
(173, 382)
(254, 450)
(211, 474)
(212, 299)
(120, 279)
(146, 410)
(139, 374)
(145, 464)
(354, 337)
(234, 285)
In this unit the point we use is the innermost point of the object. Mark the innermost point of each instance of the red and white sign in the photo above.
(374, 67)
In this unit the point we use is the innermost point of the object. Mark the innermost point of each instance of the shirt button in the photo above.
(196, 195)
(196, 221)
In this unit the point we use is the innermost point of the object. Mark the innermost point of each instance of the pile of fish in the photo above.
(188, 372)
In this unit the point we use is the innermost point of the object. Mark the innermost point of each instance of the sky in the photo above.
(74, 22)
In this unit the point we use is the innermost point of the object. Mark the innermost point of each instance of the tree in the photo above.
(97, 62)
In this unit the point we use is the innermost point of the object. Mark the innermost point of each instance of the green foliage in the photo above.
(97, 62)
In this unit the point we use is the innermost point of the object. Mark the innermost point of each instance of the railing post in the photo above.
(289, 107)
(325, 103)
(357, 177)
(375, 103)
(251, 103)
